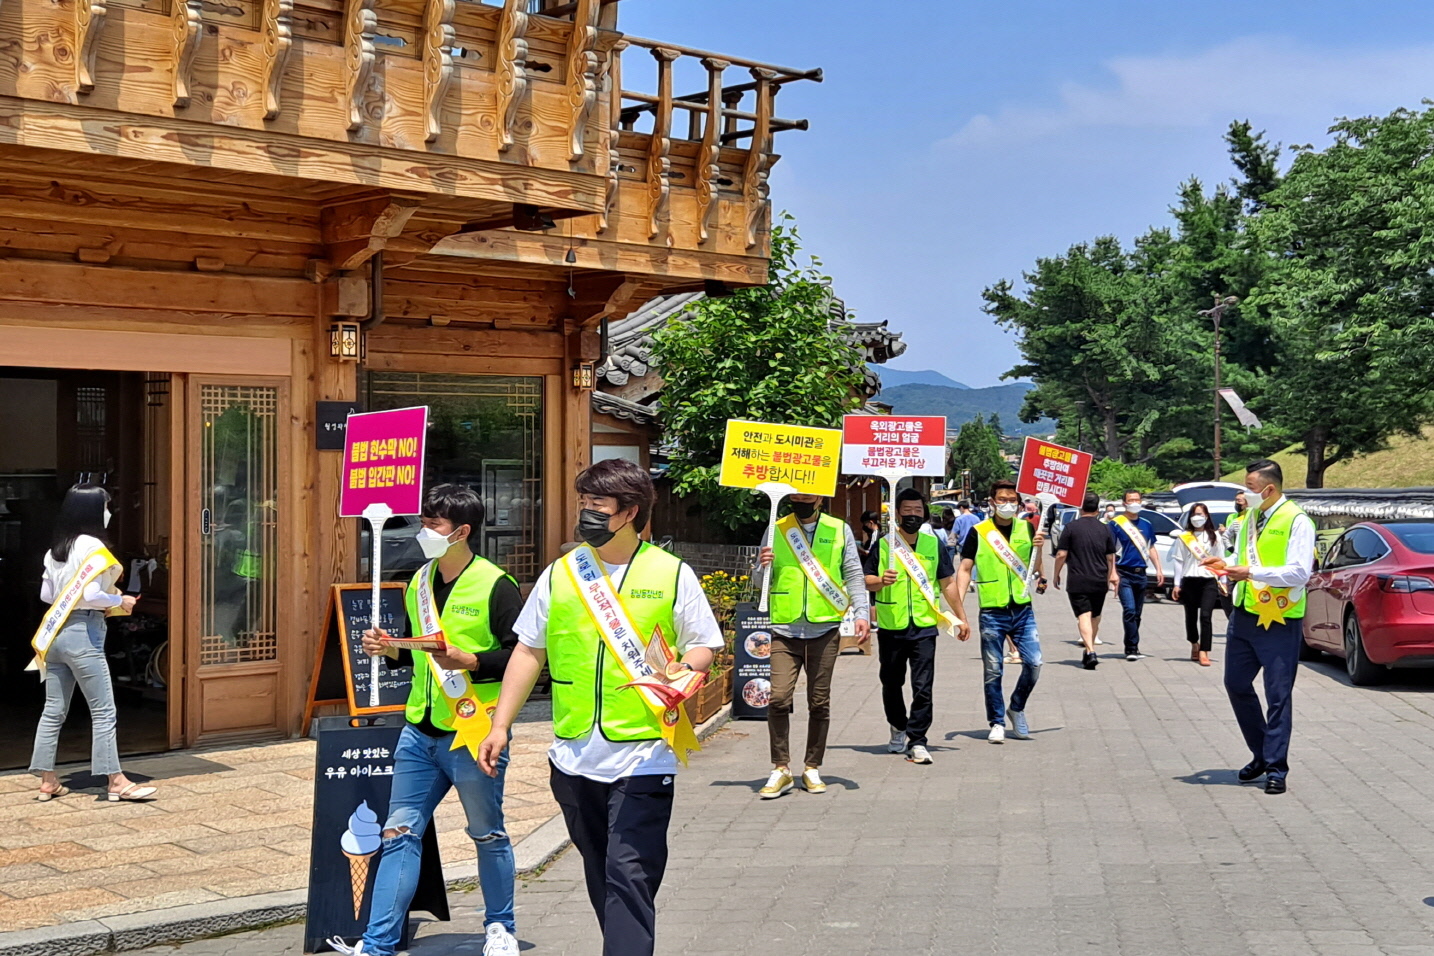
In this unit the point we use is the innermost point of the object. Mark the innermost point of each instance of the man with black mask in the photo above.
(816, 578)
(908, 619)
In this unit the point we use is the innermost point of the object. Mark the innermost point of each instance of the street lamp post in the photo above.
(1215, 314)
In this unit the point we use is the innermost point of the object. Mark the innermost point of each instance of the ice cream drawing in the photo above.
(360, 842)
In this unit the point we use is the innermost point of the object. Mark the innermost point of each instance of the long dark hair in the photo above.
(1209, 529)
(83, 512)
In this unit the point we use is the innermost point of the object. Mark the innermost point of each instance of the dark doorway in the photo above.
(59, 427)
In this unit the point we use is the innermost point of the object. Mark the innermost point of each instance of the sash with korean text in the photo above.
(1142, 547)
(909, 563)
(605, 608)
(96, 564)
(1008, 554)
(472, 704)
(1271, 603)
(1197, 547)
(834, 594)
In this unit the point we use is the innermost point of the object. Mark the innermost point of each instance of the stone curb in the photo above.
(180, 924)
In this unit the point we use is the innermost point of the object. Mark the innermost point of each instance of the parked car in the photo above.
(1371, 600)
(1217, 496)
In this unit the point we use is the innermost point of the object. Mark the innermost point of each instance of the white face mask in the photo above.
(1007, 509)
(1197, 521)
(1134, 507)
(434, 545)
(107, 517)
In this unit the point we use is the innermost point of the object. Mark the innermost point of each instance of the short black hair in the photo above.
(911, 494)
(1003, 484)
(964, 504)
(621, 479)
(1091, 502)
(871, 516)
(1131, 491)
(1269, 469)
(82, 512)
(459, 504)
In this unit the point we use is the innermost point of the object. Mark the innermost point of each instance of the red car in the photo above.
(1371, 600)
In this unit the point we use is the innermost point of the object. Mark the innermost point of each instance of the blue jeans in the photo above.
(1132, 603)
(77, 656)
(424, 770)
(1018, 622)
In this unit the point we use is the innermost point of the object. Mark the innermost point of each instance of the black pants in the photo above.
(895, 653)
(1200, 597)
(620, 829)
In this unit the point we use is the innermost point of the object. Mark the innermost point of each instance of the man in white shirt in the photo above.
(1270, 566)
(612, 770)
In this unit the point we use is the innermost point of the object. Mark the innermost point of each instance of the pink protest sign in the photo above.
(383, 462)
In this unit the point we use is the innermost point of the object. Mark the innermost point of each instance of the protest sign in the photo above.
(779, 460)
(1051, 469)
(383, 477)
(878, 444)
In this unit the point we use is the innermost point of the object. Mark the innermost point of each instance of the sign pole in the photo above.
(377, 515)
(775, 492)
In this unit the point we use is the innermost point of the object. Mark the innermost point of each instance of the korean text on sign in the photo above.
(876, 444)
(1048, 468)
(808, 459)
(383, 461)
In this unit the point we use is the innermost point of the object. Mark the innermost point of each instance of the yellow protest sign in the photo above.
(758, 453)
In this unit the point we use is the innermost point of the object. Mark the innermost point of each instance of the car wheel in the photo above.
(1361, 671)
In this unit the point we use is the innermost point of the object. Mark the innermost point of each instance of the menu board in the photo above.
(342, 671)
(752, 663)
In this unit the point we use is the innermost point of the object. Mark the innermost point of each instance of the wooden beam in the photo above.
(659, 162)
(353, 231)
(360, 22)
(614, 156)
(512, 68)
(437, 62)
(277, 28)
(582, 72)
(89, 21)
(707, 159)
(759, 161)
(72, 284)
(187, 29)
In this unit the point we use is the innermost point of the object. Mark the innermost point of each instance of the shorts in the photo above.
(1088, 602)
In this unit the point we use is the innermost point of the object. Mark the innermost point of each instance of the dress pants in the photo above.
(790, 656)
(1250, 649)
(1199, 596)
(895, 653)
(620, 829)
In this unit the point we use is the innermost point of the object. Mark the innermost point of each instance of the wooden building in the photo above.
(217, 218)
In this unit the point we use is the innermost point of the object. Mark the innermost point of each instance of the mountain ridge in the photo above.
(896, 377)
(960, 405)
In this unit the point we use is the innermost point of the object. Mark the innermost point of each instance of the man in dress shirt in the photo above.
(1270, 566)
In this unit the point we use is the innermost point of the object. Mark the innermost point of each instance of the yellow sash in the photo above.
(1008, 554)
(909, 563)
(791, 531)
(96, 564)
(1136, 538)
(1195, 546)
(473, 704)
(604, 605)
(1270, 603)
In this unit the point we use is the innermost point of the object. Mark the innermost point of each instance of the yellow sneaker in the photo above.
(812, 781)
(777, 784)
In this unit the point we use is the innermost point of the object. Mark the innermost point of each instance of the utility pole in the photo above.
(1215, 314)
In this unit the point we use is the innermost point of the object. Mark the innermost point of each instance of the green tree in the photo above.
(767, 354)
(977, 449)
(1111, 479)
(1350, 295)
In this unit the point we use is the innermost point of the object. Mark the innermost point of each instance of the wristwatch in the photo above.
(686, 665)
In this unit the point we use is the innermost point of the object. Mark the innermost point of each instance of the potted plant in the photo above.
(723, 591)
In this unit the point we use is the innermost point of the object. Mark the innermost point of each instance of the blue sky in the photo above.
(953, 143)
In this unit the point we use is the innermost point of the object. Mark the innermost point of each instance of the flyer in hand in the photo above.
(430, 643)
(668, 679)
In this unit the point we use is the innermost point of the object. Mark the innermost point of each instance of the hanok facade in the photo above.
(217, 218)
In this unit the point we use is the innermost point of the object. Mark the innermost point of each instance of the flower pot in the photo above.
(704, 704)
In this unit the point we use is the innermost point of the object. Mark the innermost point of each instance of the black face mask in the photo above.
(1239, 508)
(911, 523)
(804, 509)
(592, 527)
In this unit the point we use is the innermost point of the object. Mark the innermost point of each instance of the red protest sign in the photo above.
(383, 462)
(876, 444)
(1051, 469)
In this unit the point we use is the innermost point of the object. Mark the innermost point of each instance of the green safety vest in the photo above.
(587, 681)
(466, 625)
(792, 595)
(899, 605)
(996, 585)
(1272, 545)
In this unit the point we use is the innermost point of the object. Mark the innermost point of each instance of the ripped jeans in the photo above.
(1018, 622)
(424, 770)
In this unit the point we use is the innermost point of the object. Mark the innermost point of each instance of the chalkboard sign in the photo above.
(353, 780)
(341, 671)
(752, 663)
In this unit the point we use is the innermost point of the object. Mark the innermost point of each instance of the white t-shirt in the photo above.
(97, 596)
(594, 756)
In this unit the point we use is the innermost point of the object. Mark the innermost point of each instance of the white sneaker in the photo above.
(1099, 641)
(1019, 728)
(337, 944)
(897, 744)
(500, 942)
(997, 734)
(919, 754)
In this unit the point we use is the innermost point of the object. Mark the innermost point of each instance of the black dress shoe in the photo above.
(1275, 785)
(1253, 771)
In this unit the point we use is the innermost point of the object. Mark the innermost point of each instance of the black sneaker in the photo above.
(1089, 660)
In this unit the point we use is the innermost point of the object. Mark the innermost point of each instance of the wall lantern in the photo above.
(346, 341)
(583, 375)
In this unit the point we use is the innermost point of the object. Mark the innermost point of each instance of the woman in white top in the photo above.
(77, 653)
(1196, 587)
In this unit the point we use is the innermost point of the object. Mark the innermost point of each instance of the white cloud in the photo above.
(1269, 77)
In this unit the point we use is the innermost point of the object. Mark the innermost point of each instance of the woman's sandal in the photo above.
(133, 792)
(45, 796)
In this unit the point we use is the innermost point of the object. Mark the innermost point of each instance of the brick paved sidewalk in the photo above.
(228, 823)
(1119, 831)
